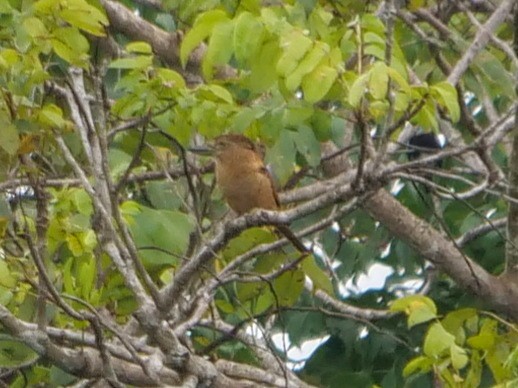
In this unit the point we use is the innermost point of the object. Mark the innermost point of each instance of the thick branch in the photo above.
(512, 218)
(437, 248)
(165, 45)
(481, 39)
(84, 362)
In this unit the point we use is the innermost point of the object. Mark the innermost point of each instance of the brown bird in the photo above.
(244, 179)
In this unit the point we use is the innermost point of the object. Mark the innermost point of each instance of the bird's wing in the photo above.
(264, 170)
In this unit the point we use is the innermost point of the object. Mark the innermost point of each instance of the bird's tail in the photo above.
(286, 232)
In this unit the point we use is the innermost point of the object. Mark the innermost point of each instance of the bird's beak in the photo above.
(206, 149)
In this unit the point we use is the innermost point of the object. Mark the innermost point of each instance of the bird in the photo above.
(424, 142)
(244, 179)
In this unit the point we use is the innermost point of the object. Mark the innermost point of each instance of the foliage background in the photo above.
(119, 263)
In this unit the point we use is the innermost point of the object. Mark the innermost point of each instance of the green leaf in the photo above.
(68, 279)
(9, 140)
(307, 144)
(288, 287)
(247, 240)
(495, 359)
(372, 23)
(453, 321)
(420, 364)
(296, 114)
(378, 80)
(282, 156)
(15, 353)
(86, 18)
(412, 302)
(93, 12)
(60, 378)
(243, 119)
(161, 235)
(219, 51)
(262, 68)
(7, 280)
(248, 291)
(399, 80)
(267, 263)
(437, 340)
(446, 95)
(76, 244)
(118, 161)
(166, 21)
(5, 7)
(215, 93)
(45, 6)
(426, 117)
(248, 36)
(420, 314)
(306, 65)
(459, 358)
(482, 341)
(203, 26)
(225, 306)
(474, 374)
(316, 84)
(170, 78)
(86, 278)
(378, 109)
(500, 81)
(35, 28)
(139, 48)
(318, 276)
(140, 62)
(52, 116)
(70, 45)
(419, 308)
(357, 90)
(294, 45)
(259, 305)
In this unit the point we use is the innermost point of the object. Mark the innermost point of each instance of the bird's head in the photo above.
(228, 143)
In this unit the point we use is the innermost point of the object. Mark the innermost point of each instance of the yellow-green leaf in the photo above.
(306, 65)
(9, 139)
(318, 276)
(52, 116)
(378, 80)
(215, 93)
(421, 364)
(139, 48)
(140, 62)
(294, 45)
(459, 359)
(437, 340)
(35, 28)
(288, 287)
(248, 37)
(70, 45)
(171, 78)
(7, 280)
(446, 95)
(412, 302)
(219, 50)
(421, 314)
(357, 90)
(316, 84)
(84, 16)
(202, 28)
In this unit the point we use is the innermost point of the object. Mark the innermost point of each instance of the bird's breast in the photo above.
(245, 186)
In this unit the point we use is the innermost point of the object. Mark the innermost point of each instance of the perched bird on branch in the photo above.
(244, 179)
(424, 142)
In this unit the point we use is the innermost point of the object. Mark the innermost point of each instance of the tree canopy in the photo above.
(120, 263)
